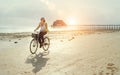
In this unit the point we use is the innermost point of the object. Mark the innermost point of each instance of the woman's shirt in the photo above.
(43, 28)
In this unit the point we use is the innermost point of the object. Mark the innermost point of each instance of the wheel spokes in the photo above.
(33, 46)
(46, 44)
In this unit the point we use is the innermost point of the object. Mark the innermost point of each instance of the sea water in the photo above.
(11, 29)
(6, 29)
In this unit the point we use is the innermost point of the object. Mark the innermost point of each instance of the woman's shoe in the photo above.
(41, 45)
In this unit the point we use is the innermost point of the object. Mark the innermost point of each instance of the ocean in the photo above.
(6, 29)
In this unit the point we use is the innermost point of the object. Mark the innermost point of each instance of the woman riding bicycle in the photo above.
(43, 30)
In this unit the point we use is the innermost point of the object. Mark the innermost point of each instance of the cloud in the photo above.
(28, 12)
(49, 4)
(52, 6)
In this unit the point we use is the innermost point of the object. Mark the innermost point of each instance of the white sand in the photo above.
(70, 54)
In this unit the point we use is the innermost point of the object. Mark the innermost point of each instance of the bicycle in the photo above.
(35, 42)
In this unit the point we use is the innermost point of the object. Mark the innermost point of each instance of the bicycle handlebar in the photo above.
(36, 32)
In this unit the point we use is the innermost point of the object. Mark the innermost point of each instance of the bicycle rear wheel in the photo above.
(46, 44)
(33, 46)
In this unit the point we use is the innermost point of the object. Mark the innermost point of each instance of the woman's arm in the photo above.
(46, 26)
(37, 27)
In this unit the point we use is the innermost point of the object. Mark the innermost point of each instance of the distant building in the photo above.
(59, 23)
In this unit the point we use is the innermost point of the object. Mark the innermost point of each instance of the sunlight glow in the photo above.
(71, 21)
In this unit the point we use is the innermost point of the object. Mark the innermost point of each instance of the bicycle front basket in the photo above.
(34, 35)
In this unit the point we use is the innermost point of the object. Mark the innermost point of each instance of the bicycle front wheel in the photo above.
(46, 44)
(33, 46)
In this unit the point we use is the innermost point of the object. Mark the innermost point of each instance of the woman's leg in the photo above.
(41, 37)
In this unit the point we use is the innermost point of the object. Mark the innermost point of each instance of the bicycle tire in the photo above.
(36, 46)
(46, 45)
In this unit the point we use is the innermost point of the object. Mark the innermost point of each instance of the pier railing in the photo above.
(98, 27)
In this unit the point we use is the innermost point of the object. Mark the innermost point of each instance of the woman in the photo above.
(43, 30)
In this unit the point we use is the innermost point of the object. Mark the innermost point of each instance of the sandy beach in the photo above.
(70, 53)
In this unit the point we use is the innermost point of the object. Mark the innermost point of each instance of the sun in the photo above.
(71, 21)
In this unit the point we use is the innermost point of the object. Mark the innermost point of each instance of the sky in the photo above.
(28, 12)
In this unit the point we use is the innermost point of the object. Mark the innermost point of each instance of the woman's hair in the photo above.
(43, 19)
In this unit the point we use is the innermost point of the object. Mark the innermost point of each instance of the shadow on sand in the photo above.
(37, 61)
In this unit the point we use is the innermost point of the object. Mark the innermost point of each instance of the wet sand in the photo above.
(70, 53)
